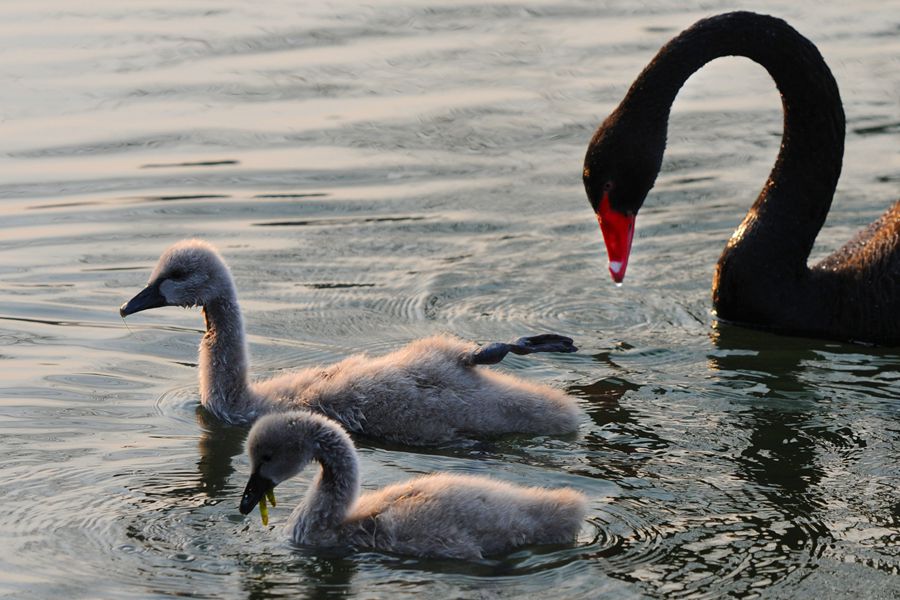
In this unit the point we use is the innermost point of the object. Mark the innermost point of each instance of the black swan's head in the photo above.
(620, 167)
(189, 273)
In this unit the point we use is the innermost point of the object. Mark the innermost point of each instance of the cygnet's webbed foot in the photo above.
(494, 352)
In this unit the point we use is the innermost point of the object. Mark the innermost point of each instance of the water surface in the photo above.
(375, 173)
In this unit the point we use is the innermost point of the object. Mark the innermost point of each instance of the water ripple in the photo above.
(378, 173)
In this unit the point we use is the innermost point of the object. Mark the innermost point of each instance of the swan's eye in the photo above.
(609, 186)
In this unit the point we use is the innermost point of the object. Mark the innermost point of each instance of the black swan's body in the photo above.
(762, 278)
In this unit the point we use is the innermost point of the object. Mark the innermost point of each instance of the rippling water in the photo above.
(379, 172)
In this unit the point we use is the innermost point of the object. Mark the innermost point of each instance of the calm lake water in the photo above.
(382, 171)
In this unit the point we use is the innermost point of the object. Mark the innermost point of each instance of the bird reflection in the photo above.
(319, 575)
(747, 356)
(218, 444)
(782, 458)
(621, 440)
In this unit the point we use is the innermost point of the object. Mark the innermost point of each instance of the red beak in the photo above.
(618, 231)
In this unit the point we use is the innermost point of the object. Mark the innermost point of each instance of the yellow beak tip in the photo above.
(263, 511)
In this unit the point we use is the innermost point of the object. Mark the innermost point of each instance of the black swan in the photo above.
(440, 515)
(428, 392)
(762, 278)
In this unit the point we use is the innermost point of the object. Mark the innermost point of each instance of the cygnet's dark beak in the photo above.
(149, 297)
(257, 487)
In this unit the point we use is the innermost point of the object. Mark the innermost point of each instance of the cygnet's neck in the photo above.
(223, 361)
(334, 490)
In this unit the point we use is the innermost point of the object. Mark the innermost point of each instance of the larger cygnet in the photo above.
(428, 392)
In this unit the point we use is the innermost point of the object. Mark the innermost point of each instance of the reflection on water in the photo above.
(376, 173)
(219, 443)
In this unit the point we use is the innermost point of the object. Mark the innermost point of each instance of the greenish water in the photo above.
(376, 173)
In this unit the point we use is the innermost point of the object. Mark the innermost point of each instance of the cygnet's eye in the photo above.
(178, 274)
(265, 458)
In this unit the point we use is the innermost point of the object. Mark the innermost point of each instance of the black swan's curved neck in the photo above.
(787, 216)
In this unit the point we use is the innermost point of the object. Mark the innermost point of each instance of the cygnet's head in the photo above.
(189, 273)
(280, 445)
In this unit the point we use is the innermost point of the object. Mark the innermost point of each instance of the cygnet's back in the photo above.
(462, 516)
(425, 393)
